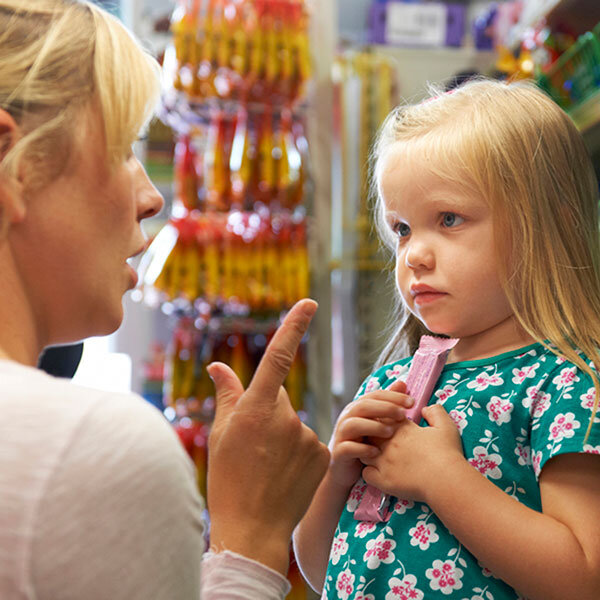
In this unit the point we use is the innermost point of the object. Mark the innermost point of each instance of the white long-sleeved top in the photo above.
(98, 500)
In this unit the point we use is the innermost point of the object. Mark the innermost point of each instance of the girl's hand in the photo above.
(370, 419)
(409, 462)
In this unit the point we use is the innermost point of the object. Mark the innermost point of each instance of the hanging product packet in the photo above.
(426, 367)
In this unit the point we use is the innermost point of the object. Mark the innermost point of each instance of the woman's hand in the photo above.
(264, 463)
(409, 463)
(361, 427)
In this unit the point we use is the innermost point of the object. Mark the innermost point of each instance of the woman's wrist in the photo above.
(262, 544)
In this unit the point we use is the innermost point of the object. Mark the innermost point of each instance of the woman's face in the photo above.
(79, 230)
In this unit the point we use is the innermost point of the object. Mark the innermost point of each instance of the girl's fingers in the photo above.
(356, 428)
(351, 449)
(377, 409)
(390, 396)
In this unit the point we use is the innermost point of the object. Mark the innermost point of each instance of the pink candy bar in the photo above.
(425, 369)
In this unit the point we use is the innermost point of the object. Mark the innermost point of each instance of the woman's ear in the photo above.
(12, 204)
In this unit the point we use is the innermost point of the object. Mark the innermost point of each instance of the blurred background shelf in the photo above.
(587, 118)
(417, 65)
(574, 14)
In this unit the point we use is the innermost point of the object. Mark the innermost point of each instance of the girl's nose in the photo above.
(149, 200)
(419, 255)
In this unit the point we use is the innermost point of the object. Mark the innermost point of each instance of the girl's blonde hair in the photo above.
(514, 147)
(58, 57)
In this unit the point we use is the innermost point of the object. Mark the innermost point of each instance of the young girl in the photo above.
(489, 200)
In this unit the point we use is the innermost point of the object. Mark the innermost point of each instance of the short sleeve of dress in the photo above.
(561, 412)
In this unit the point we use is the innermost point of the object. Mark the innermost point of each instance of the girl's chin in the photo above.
(441, 329)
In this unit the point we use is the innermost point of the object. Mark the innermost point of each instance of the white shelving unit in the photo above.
(417, 66)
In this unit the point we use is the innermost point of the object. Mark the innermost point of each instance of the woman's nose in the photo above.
(149, 200)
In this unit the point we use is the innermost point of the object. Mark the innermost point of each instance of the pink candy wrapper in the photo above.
(425, 369)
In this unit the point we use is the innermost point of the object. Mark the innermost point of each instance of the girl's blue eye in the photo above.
(402, 229)
(452, 220)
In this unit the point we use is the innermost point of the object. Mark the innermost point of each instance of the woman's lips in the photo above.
(133, 274)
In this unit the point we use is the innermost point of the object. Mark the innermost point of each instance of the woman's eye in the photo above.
(451, 220)
(402, 229)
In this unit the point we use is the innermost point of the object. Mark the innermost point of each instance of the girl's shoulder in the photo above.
(535, 357)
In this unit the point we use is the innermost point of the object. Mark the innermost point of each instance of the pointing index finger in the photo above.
(279, 355)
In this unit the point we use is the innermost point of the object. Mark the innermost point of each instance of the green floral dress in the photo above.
(514, 412)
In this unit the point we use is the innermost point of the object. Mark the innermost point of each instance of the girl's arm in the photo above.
(313, 536)
(545, 556)
(552, 555)
(374, 415)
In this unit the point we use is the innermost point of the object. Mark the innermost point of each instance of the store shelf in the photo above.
(435, 64)
(578, 16)
(587, 118)
(587, 114)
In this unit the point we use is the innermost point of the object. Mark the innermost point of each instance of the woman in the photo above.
(97, 498)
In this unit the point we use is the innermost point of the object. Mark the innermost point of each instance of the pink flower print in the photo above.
(363, 528)
(397, 372)
(588, 399)
(372, 385)
(499, 410)
(524, 454)
(344, 584)
(460, 418)
(402, 506)
(404, 589)
(485, 571)
(520, 375)
(589, 449)
(536, 461)
(486, 464)
(560, 360)
(356, 493)
(423, 535)
(540, 405)
(484, 380)
(445, 576)
(339, 547)
(446, 392)
(563, 426)
(538, 402)
(361, 596)
(379, 551)
(566, 378)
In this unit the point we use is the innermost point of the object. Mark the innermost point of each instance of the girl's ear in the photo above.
(12, 204)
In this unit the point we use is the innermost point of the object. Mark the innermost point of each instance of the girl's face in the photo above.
(445, 260)
(78, 232)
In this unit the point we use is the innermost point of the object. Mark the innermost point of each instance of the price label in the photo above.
(415, 24)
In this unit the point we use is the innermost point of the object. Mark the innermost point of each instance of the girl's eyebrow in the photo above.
(454, 201)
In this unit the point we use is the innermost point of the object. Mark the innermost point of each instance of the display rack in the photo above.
(234, 255)
(576, 14)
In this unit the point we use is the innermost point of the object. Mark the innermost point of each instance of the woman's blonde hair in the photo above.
(58, 57)
(514, 147)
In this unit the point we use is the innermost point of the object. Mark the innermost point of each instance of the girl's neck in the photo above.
(503, 337)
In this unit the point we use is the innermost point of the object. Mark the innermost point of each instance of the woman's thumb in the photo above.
(228, 387)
